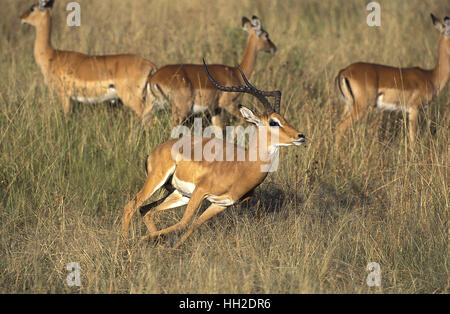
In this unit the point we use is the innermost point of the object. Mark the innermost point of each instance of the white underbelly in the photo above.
(390, 106)
(185, 188)
(111, 94)
(198, 108)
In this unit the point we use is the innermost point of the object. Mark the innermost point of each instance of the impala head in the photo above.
(271, 120)
(257, 33)
(444, 29)
(37, 12)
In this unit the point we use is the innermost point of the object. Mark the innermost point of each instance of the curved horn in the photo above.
(249, 89)
(275, 93)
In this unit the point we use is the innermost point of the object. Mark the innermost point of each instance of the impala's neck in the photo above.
(441, 72)
(43, 49)
(248, 61)
(260, 153)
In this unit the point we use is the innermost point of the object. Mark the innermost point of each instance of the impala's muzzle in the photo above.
(272, 48)
(301, 139)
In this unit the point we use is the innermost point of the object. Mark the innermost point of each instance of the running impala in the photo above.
(365, 85)
(78, 77)
(188, 89)
(223, 183)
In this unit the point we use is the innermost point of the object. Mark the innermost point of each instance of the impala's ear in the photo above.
(249, 116)
(437, 23)
(246, 24)
(43, 4)
(50, 3)
(447, 26)
(256, 25)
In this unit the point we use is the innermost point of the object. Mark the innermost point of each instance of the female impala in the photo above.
(364, 85)
(223, 183)
(189, 90)
(84, 78)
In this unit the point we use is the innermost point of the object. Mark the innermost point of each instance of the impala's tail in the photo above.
(155, 98)
(345, 90)
(156, 94)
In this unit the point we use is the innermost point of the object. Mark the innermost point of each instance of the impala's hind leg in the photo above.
(353, 109)
(358, 107)
(181, 105)
(180, 111)
(174, 200)
(226, 102)
(194, 202)
(132, 97)
(349, 119)
(155, 179)
(66, 104)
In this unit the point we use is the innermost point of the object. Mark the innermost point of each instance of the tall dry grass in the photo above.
(312, 227)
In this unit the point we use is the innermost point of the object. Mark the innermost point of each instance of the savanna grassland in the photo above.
(312, 227)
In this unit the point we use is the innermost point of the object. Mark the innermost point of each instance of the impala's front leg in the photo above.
(412, 124)
(65, 100)
(211, 211)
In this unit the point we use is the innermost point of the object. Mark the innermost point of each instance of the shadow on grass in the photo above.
(333, 202)
(270, 199)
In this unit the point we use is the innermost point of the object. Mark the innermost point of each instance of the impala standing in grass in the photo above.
(188, 89)
(364, 86)
(79, 77)
(223, 183)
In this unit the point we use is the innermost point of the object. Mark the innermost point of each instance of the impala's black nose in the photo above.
(301, 137)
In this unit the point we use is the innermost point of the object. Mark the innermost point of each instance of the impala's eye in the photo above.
(273, 123)
(32, 9)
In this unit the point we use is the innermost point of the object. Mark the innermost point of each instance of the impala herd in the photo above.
(190, 91)
(193, 88)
